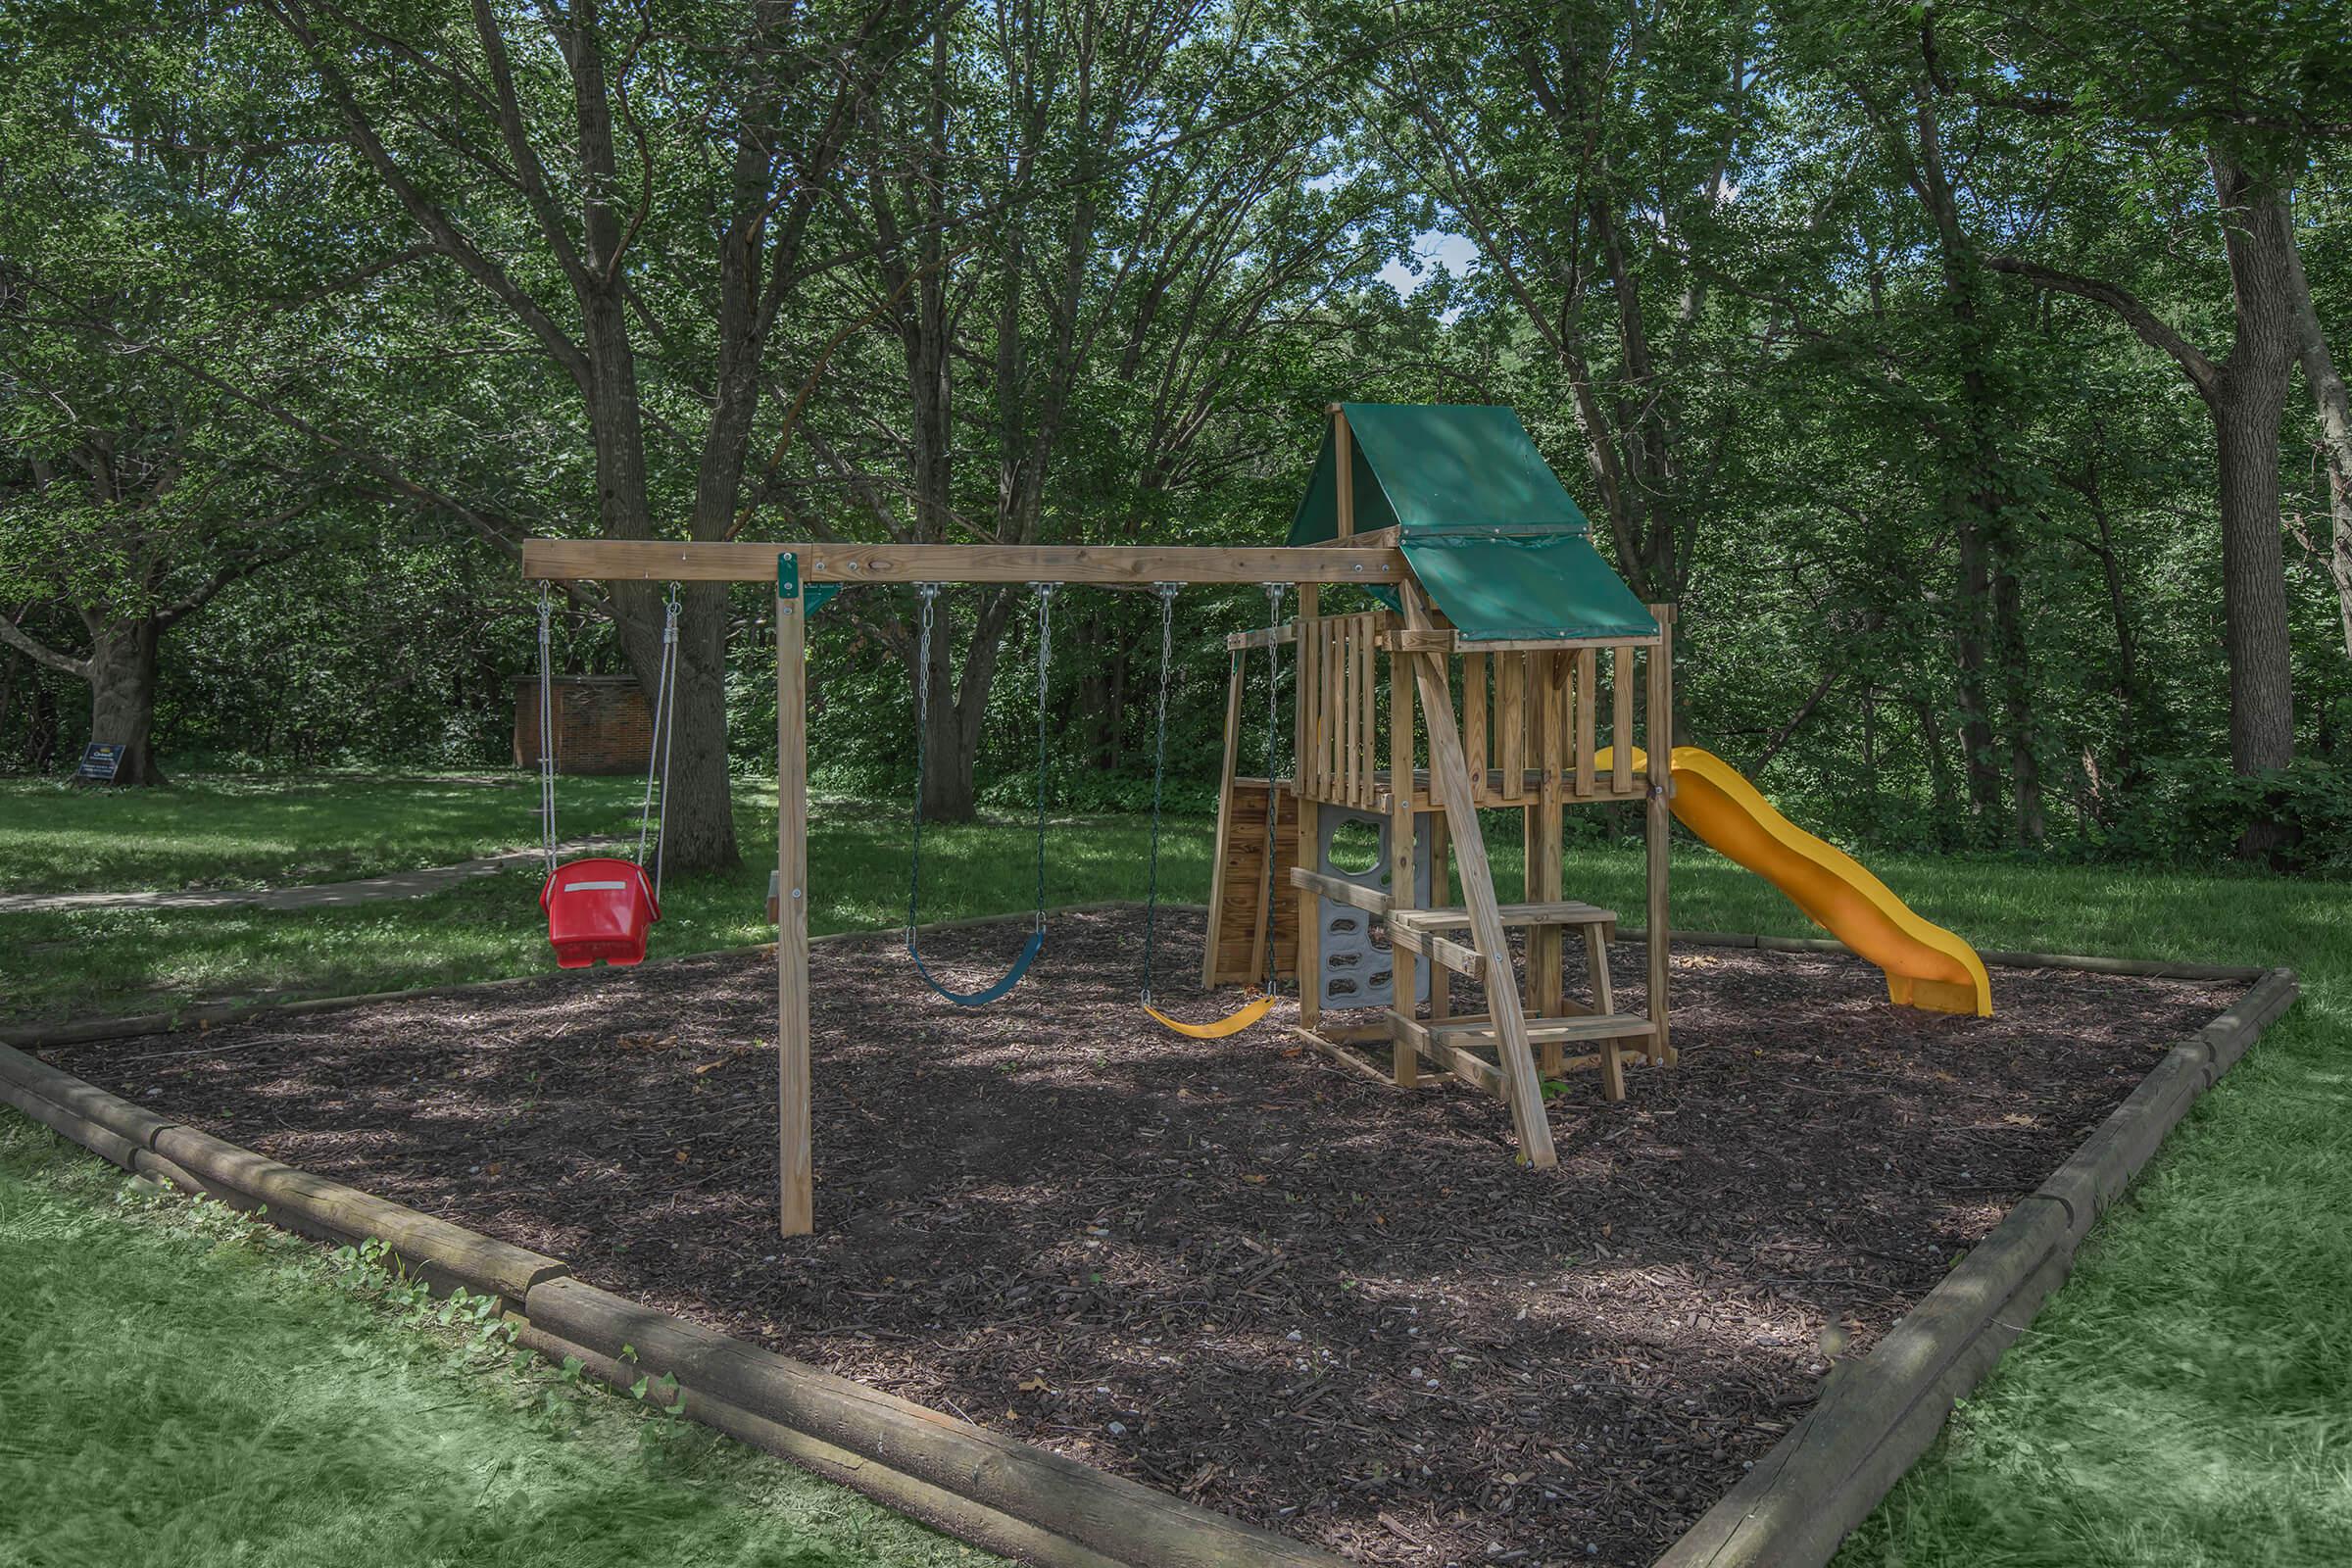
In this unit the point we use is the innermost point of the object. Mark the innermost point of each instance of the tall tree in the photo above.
(634, 194)
(1589, 151)
(1071, 209)
(2248, 93)
(131, 497)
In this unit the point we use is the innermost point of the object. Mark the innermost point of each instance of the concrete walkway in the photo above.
(310, 895)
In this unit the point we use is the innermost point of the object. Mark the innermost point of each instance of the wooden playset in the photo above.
(1477, 655)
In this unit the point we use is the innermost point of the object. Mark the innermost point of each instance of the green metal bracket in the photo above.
(788, 575)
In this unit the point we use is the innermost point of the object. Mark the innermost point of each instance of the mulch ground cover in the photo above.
(1230, 1268)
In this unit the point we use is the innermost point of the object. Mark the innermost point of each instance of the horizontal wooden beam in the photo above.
(1548, 645)
(1340, 891)
(1135, 565)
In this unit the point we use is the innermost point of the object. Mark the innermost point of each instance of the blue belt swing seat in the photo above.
(602, 909)
(928, 594)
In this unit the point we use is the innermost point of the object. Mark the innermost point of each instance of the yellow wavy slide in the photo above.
(1927, 967)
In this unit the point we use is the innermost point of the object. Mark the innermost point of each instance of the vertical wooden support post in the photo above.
(1449, 782)
(1353, 736)
(1605, 1002)
(1227, 842)
(1660, 733)
(1326, 706)
(1510, 724)
(1440, 896)
(1405, 890)
(1588, 706)
(1621, 718)
(1310, 830)
(1343, 451)
(796, 1165)
(1546, 872)
(1474, 722)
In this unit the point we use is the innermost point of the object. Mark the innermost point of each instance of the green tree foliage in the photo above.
(1968, 375)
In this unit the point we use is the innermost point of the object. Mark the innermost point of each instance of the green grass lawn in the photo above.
(101, 961)
(186, 1388)
(2186, 1399)
(226, 831)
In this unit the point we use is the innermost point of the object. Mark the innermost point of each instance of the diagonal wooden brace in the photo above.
(1450, 776)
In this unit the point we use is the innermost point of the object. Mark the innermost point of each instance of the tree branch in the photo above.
(427, 215)
(40, 653)
(2152, 330)
(234, 571)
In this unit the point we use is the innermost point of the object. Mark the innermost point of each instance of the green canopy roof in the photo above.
(1524, 585)
(1486, 526)
(1431, 466)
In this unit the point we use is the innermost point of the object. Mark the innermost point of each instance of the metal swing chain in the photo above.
(1045, 653)
(1159, 764)
(657, 752)
(547, 755)
(928, 594)
(670, 735)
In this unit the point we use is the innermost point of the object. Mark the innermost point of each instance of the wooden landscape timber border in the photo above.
(1875, 1416)
(983, 1486)
(1871, 1421)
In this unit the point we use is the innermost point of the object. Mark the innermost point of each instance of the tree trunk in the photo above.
(698, 811)
(2246, 422)
(1979, 505)
(951, 742)
(2247, 398)
(121, 670)
(2335, 404)
(2017, 707)
(41, 729)
(1939, 772)
(2130, 696)
(1976, 720)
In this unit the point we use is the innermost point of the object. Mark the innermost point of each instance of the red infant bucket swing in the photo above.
(602, 909)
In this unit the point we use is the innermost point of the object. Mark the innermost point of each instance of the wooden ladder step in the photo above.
(1568, 913)
(1546, 1031)
(1471, 1068)
(1444, 1045)
(1468, 963)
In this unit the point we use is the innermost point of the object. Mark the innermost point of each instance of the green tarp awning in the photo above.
(1517, 585)
(1486, 526)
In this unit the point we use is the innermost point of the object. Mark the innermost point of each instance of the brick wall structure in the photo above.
(602, 725)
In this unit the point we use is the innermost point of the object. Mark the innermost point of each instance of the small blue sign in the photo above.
(100, 764)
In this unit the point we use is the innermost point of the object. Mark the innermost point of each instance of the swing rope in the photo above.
(928, 593)
(664, 724)
(1256, 1009)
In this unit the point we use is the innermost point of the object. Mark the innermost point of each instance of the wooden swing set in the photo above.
(1508, 650)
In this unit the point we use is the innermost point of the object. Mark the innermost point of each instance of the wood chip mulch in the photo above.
(1230, 1269)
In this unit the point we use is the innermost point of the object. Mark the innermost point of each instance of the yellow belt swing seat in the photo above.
(1254, 1009)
